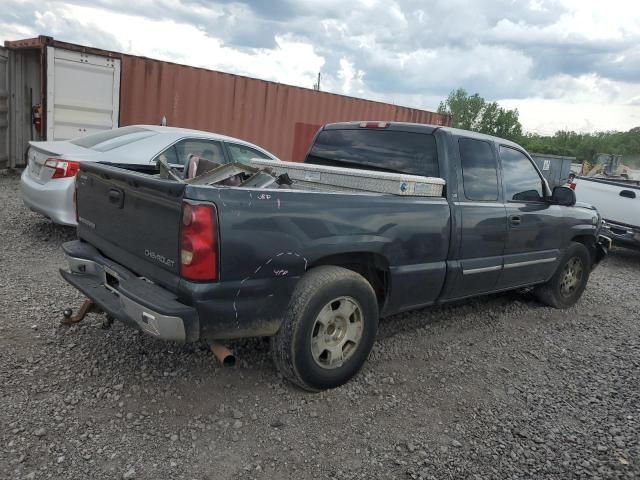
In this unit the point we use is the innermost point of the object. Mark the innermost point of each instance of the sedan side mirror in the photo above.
(563, 196)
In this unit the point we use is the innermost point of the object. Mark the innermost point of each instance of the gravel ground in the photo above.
(499, 387)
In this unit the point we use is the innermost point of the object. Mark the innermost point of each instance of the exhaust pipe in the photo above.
(223, 354)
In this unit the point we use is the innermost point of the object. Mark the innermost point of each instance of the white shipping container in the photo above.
(83, 93)
(54, 91)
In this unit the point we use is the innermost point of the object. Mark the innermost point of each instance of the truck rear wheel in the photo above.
(328, 329)
(567, 284)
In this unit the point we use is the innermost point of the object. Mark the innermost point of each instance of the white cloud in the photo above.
(546, 116)
(563, 63)
(350, 78)
(291, 62)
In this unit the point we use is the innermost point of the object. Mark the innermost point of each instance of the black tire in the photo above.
(559, 292)
(319, 291)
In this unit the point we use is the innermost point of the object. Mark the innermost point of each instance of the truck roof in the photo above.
(423, 128)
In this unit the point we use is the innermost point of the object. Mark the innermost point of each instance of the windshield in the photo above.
(110, 139)
(383, 150)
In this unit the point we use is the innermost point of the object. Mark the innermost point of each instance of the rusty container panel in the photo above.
(280, 118)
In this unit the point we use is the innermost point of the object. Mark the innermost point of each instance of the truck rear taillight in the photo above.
(62, 168)
(573, 185)
(198, 242)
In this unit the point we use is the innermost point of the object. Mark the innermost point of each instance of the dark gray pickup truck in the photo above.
(314, 270)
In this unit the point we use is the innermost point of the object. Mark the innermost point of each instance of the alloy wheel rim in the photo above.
(336, 332)
(571, 276)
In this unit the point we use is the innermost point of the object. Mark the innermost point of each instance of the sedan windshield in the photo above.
(110, 139)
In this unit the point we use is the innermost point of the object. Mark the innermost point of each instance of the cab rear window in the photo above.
(383, 150)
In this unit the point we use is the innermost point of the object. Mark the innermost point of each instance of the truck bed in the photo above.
(616, 200)
(267, 239)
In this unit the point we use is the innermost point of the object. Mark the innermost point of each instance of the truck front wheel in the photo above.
(567, 284)
(328, 329)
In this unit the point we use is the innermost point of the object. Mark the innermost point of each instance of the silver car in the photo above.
(48, 182)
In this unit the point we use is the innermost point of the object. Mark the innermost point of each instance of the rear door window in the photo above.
(205, 149)
(179, 153)
(521, 180)
(243, 154)
(480, 177)
(169, 155)
(377, 149)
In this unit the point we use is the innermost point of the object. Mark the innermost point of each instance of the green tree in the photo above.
(472, 112)
(585, 146)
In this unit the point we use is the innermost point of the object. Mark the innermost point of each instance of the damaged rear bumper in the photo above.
(129, 298)
(250, 307)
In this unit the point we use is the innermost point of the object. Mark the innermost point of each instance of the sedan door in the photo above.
(534, 226)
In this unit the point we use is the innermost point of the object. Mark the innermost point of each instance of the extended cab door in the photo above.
(483, 229)
(534, 226)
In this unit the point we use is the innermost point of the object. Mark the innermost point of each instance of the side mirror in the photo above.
(563, 196)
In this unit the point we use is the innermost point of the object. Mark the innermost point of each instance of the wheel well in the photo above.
(373, 267)
(589, 242)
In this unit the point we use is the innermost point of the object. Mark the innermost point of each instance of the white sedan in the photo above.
(48, 182)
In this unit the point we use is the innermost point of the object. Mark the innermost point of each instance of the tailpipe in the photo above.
(223, 354)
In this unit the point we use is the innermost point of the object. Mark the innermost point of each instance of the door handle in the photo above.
(628, 194)
(515, 220)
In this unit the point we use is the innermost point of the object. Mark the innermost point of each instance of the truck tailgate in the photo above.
(132, 218)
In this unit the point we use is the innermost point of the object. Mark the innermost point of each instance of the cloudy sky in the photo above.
(563, 63)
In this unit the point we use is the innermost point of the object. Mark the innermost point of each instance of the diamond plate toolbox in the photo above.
(355, 179)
